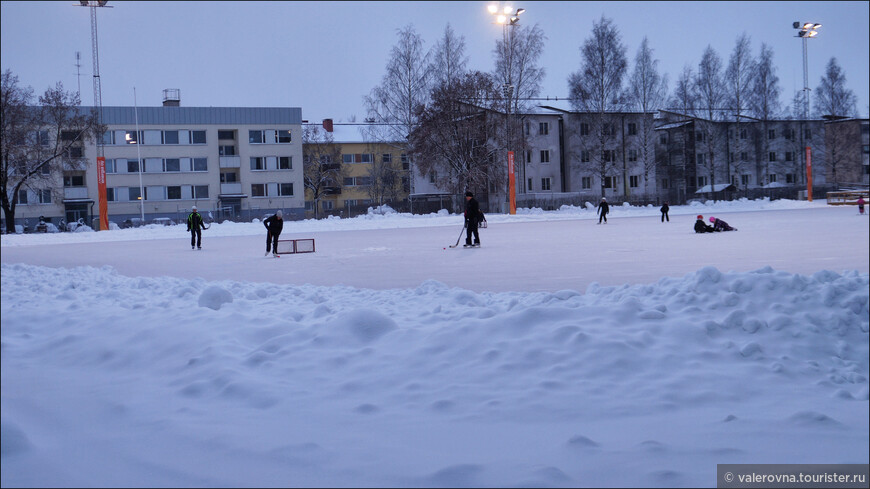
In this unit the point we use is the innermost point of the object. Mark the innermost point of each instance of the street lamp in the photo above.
(508, 17)
(806, 31)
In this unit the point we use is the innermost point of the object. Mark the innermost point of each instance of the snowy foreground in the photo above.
(561, 354)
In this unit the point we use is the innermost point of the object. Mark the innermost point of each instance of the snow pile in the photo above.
(110, 380)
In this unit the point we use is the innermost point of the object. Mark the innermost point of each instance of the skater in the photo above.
(195, 227)
(861, 205)
(701, 226)
(665, 210)
(274, 226)
(720, 225)
(472, 216)
(603, 209)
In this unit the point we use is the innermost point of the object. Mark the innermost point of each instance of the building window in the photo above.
(133, 193)
(771, 134)
(744, 179)
(699, 136)
(607, 129)
(228, 177)
(633, 181)
(44, 196)
(609, 155)
(131, 137)
(809, 133)
(545, 183)
(74, 152)
(285, 189)
(22, 197)
(632, 155)
(258, 163)
(110, 165)
(663, 139)
(406, 163)
(702, 181)
(611, 182)
(255, 137)
(584, 128)
(173, 192)
(545, 156)
(386, 158)
(528, 127)
(285, 162)
(632, 129)
(132, 166)
(200, 191)
(258, 190)
(110, 194)
(327, 205)
(226, 134)
(543, 128)
(530, 185)
(200, 164)
(772, 156)
(586, 182)
(664, 183)
(74, 181)
(743, 133)
(172, 164)
(771, 178)
(789, 178)
(584, 156)
(170, 137)
(227, 150)
(702, 159)
(744, 156)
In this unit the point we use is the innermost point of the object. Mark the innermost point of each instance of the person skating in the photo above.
(665, 210)
(720, 225)
(472, 216)
(701, 226)
(195, 227)
(603, 209)
(274, 226)
(860, 205)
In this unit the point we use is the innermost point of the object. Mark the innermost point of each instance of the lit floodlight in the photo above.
(492, 9)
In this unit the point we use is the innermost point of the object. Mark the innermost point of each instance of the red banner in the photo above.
(512, 186)
(809, 174)
(101, 188)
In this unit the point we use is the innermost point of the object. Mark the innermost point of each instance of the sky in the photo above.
(326, 56)
(126, 364)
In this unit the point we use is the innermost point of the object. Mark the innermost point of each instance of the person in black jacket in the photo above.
(701, 226)
(603, 209)
(472, 216)
(665, 210)
(195, 227)
(274, 226)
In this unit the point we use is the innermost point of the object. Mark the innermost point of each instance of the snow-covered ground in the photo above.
(561, 353)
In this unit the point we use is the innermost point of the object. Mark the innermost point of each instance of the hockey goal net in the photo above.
(288, 246)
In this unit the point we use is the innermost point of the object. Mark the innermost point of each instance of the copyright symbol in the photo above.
(728, 477)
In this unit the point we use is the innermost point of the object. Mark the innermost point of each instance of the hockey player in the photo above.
(195, 227)
(274, 226)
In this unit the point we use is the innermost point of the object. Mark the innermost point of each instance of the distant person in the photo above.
(472, 219)
(665, 210)
(274, 226)
(603, 209)
(861, 205)
(701, 226)
(720, 225)
(195, 227)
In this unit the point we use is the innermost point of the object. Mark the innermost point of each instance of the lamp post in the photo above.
(508, 17)
(806, 31)
(138, 155)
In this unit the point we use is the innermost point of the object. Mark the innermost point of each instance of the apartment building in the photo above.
(373, 172)
(848, 147)
(231, 162)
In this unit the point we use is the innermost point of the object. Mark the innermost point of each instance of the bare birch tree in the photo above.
(597, 89)
(764, 103)
(710, 89)
(448, 62)
(37, 140)
(322, 166)
(831, 96)
(646, 93)
(738, 81)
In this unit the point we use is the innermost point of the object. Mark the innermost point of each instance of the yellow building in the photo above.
(355, 172)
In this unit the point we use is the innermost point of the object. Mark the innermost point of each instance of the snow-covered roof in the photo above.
(706, 189)
(774, 185)
(673, 125)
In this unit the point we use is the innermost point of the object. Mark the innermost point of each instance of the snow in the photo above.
(562, 353)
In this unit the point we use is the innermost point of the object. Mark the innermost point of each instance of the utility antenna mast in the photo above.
(98, 92)
(79, 72)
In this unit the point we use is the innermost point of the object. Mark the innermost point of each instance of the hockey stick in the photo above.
(460, 237)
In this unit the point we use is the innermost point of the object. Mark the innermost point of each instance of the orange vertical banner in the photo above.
(512, 186)
(809, 174)
(101, 189)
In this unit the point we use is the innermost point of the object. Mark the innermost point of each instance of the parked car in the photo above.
(162, 220)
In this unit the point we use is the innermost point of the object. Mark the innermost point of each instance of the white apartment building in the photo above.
(231, 162)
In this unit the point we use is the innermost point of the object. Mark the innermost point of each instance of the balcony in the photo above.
(231, 188)
(331, 190)
(75, 193)
(230, 161)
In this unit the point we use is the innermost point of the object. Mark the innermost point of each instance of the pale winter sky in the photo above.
(326, 56)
